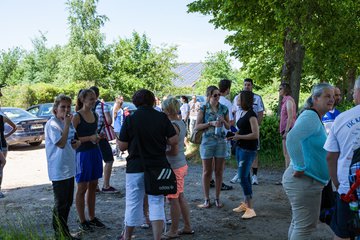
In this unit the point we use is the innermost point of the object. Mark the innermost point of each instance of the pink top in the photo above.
(284, 113)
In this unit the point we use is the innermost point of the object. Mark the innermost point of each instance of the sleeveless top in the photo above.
(284, 113)
(85, 129)
(3, 144)
(179, 160)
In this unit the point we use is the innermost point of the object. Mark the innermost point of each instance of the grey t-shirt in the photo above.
(179, 160)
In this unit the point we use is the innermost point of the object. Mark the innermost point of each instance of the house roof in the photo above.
(187, 74)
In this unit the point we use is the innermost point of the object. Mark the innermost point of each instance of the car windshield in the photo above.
(46, 109)
(13, 113)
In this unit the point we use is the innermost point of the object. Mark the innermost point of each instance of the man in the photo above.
(329, 117)
(340, 144)
(258, 108)
(194, 109)
(103, 112)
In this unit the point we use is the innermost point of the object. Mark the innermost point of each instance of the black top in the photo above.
(2, 137)
(149, 129)
(244, 126)
(85, 129)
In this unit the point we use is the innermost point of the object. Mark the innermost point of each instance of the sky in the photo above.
(163, 22)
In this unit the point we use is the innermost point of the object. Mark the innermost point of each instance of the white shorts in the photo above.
(135, 191)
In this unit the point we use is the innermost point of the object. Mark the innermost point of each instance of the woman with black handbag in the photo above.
(145, 135)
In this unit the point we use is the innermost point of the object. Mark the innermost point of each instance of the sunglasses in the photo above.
(216, 95)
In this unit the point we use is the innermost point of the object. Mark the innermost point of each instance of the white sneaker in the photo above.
(254, 180)
(235, 179)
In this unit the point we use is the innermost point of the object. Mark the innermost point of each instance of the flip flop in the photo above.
(182, 232)
(165, 236)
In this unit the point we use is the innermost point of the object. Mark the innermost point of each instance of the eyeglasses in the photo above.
(216, 95)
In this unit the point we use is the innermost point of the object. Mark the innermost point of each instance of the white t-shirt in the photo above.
(61, 161)
(258, 106)
(343, 138)
(224, 101)
(184, 109)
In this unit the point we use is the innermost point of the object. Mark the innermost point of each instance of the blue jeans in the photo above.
(245, 159)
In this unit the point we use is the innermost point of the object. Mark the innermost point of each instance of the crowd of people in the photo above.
(318, 146)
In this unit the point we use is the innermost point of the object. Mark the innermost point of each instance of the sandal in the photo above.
(206, 204)
(225, 187)
(218, 204)
(167, 235)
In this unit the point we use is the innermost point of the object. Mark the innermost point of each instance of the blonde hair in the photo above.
(171, 106)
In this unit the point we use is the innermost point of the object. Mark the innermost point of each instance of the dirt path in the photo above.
(29, 199)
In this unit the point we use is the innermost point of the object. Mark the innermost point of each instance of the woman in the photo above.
(246, 147)
(177, 160)
(118, 115)
(287, 116)
(3, 145)
(88, 159)
(185, 110)
(146, 133)
(59, 145)
(212, 116)
(307, 173)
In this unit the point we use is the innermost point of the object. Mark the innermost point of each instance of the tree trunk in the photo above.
(351, 75)
(294, 54)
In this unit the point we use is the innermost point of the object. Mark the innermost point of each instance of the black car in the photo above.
(30, 129)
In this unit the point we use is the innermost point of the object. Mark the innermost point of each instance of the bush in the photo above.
(270, 153)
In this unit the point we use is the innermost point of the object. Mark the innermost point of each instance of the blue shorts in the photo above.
(213, 148)
(88, 165)
(340, 220)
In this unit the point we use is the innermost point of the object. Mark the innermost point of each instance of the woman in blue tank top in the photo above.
(88, 159)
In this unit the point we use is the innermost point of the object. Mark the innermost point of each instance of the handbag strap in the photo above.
(204, 113)
(103, 113)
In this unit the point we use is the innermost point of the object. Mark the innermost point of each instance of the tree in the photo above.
(217, 66)
(135, 64)
(283, 28)
(9, 65)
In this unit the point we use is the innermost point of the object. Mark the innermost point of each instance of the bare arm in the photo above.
(260, 116)
(174, 149)
(200, 125)
(123, 146)
(332, 159)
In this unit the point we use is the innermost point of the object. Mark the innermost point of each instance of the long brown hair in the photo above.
(81, 96)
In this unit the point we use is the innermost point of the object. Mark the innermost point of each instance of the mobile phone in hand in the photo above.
(229, 134)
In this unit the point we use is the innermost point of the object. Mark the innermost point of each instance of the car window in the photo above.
(34, 110)
(17, 113)
(46, 110)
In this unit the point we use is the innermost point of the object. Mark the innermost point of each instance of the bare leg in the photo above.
(175, 216)
(146, 209)
(80, 200)
(185, 212)
(128, 232)
(107, 174)
(157, 227)
(219, 169)
(2, 165)
(207, 172)
(91, 196)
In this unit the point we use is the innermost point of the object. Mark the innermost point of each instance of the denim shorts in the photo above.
(341, 218)
(213, 147)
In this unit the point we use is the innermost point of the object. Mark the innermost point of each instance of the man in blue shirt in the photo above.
(329, 117)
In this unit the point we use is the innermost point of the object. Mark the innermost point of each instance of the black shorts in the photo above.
(340, 222)
(106, 150)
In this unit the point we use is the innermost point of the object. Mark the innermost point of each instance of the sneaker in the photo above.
(254, 180)
(96, 223)
(235, 179)
(249, 213)
(241, 208)
(109, 190)
(2, 195)
(85, 226)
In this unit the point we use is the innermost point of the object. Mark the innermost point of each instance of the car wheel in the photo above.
(34, 144)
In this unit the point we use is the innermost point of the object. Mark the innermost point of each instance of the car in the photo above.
(41, 110)
(129, 105)
(30, 128)
(44, 110)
